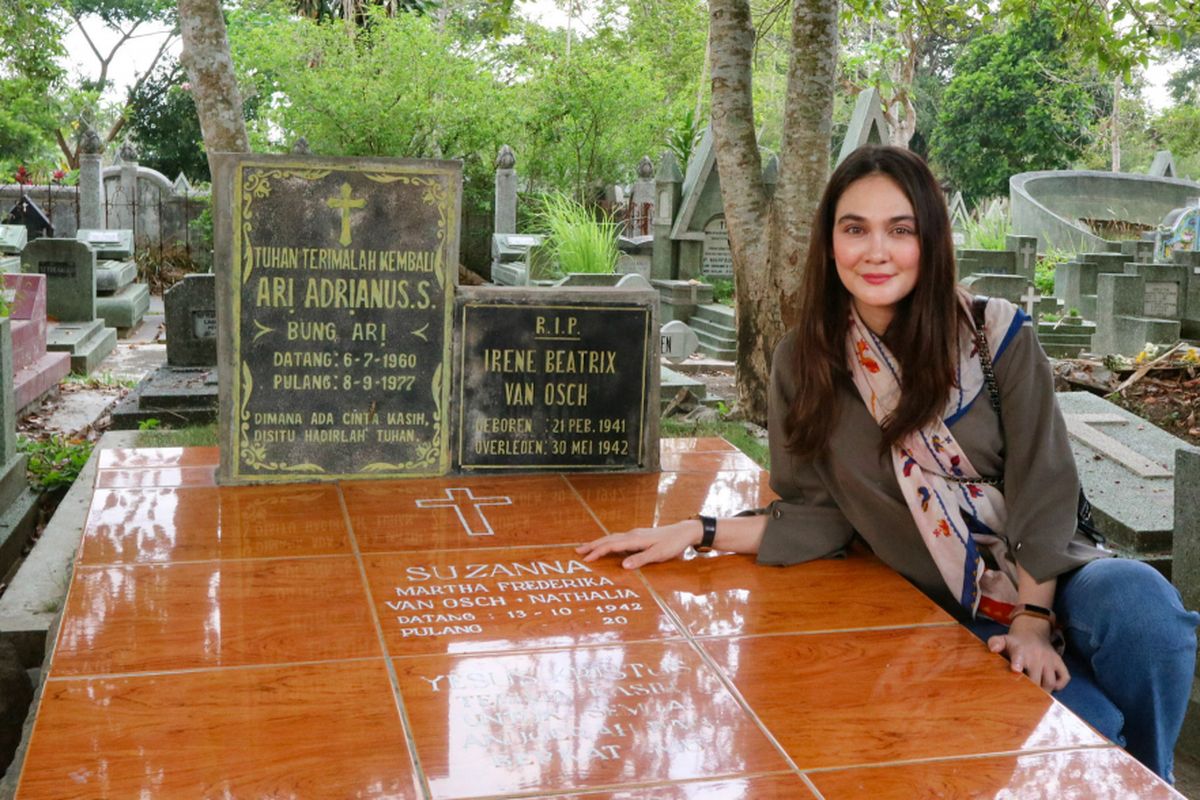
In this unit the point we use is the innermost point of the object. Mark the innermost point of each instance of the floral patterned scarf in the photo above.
(957, 518)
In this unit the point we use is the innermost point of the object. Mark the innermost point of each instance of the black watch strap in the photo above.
(710, 533)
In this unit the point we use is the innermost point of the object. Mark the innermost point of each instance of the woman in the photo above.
(881, 424)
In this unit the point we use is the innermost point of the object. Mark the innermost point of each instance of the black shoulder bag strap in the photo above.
(1084, 511)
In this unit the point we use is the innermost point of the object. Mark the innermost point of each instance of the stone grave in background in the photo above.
(184, 391)
(511, 257)
(1127, 468)
(120, 302)
(70, 270)
(29, 215)
(1146, 302)
(1185, 570)
(12, 242)
(555, 379)
(17, 501)
(867, 124)
(36, 370)
(636, 255)
(337, 277)
(1004, 273)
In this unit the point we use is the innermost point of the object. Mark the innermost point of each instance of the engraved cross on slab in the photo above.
(1081, 427)
(1030, 300)
(1028, 253)
(456, 498)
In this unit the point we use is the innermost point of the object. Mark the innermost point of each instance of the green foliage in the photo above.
(683, 139)
(1043, 274)
(54, 462)
(1011, 107)
(149, 424)
(192, 436)
(578, 240)
(1179, 130)
(722, 290)
(162, 118)
(733, 432)
(30, 46)
(988, 225)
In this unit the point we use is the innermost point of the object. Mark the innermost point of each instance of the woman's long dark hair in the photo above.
(923, 335)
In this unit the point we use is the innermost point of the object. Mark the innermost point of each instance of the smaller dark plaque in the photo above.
(204, 323)
(57, 269)
(557, 380)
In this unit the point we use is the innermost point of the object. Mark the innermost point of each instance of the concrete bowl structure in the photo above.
(1052, 205)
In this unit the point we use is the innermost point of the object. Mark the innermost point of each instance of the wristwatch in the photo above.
(710, 533)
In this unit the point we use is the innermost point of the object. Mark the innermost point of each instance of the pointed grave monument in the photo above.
(867, 124)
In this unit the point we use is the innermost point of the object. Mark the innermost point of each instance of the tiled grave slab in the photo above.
(773, 787)
(278, 732)
(565, 720)
(699, 444)
(622, 502)
(467, 512)
(692, 461)
(892, 695)
(162, 476)
(465, 601)
(158, 457)
(230, 613)
(128, 526)
(1095, 774)
(728, 595)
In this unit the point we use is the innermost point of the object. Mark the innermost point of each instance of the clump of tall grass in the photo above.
(988, 226)
(577, 239)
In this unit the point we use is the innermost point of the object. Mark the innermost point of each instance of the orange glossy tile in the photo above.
(694, 444)
(773, 787)
(158, 457)
(128, 526)
(727, 594)
(721, 460)
(870, 697)
(227, 613)
(470, 601)
(156, 476)
(1101, 774)
(460, 512)
(565, 720)
(623, 502)
(314, 731)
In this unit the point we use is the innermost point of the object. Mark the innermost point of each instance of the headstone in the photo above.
(639, 216)
(1026, 249)
(512, 256)
(867, 124)
(1185, 568)
(36, 371)
(717, 260)
(190, 307)
(556, 379)
(70, 270)
(91, 184)
(988, 262)
(1163, 165)
(506, 191)
(636, 255)
(694, 227)
(114, 244)
(1140, 251)
(27, 214)
(336, 277)
(1030, 301)
(1126, 465)
(677, 341)
(668, 183)
(13, 239)
(1009, 287)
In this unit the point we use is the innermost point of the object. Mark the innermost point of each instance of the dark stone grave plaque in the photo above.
(556, 379)
(335, 282)
(190, 307)
(28, 213)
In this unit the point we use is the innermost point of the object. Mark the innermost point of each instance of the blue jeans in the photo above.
(1131, 651)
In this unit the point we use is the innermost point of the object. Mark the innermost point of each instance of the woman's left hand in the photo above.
(1027, 645)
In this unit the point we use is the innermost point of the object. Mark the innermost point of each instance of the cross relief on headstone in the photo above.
(458, 499)
(1082, 427)
(1030, 300)
(1028, 253)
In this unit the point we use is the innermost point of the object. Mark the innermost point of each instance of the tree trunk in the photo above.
(900, 112)
(768, 237)
(1115, 124)
(209, 66)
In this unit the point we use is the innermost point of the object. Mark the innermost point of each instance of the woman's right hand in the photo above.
(648, 545)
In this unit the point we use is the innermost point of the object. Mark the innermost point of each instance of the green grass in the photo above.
(105, 380)
(579, 241)
(733, 432)
(1043, 276)
(722, 290)
(987, 227)
(54, 462)
(193, 436)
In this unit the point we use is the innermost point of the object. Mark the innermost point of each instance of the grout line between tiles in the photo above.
(904, 762)
(720, 673)
(812, 787)
(824, 632)
(156, 673)
(389, 665)
(578, 496)
(549, 648)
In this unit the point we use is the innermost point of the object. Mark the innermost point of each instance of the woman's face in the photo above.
(876, 247)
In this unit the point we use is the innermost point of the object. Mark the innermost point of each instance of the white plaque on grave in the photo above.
(677, 341)
(104, 237)
(1162, 299)
(718, 260)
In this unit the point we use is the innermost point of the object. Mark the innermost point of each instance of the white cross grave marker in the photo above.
(1030, 300)
(1080, 427)
(1028, 251)
(478, 525)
